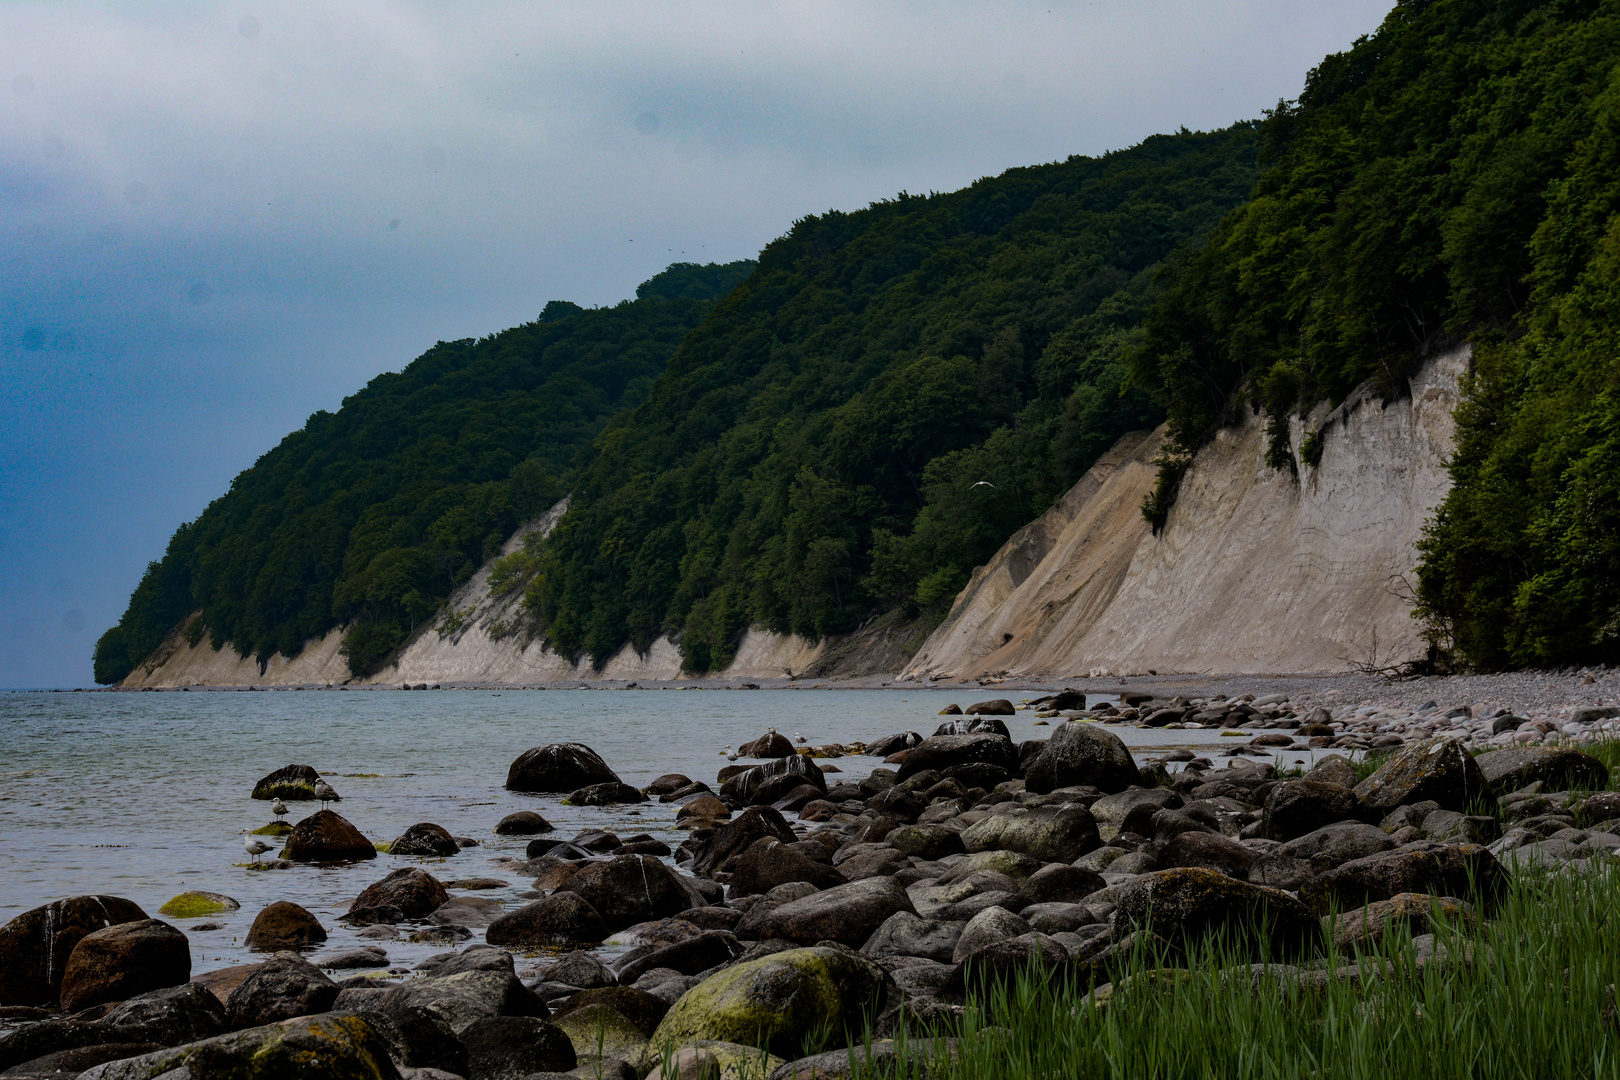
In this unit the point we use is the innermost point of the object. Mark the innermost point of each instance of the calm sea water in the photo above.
(143, 795)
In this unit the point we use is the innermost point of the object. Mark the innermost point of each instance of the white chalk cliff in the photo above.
(1254, 571)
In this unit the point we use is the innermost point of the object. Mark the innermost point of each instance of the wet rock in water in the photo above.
(563, 918)
(477, 883)
(769, 745)
(1364, 928)
(994, 707)
(378, 915)
(346, 1048)
(987, 724)
(123, 960)
(284, 925)
(709, 949)
(1558, 769)
(669, 782)
(35, 946)
(1453, 869)
(467, 911)
(285, 986)
(611, 793)
(557, 768)
(768, 863)
(847, 914)
(1048, 833)
(512, 1047)
(931, 842)
(1187, 906)
(714, 852)
(891, 744)
(941, 752)
(1080, 753)
(291, 782)
(367, 956)
(1437, 769)
(443, 934)
(787, 998)
(169, 1017)
(522, 823)
(629, 889)
(642, 1009)
(425, 839)
(195, 904)
(764, 784)
(326, 836)
(411, 889)
(1297, 807)
(906, 934)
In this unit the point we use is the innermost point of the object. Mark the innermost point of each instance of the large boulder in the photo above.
(764, 784)
(1211, 851)
(557, 768)
(327, 836)
(611, 793)
(285, 986)
(630, 889)
(768, 863)
(35, 946)
(847, 914)
(1366, 927)
(1436, 769)
(425, 839)
(284, 925)
(602, 1031)
(768, 745)
(512, 1047)
(1119, 806)
(1558, 768)
(993, 707)
(966, 726)
(329, 1047)
(1186, 906)
(1032, 956)
(413, 891)
(780, 1002)
(1079, 753)
(169, 1017)
(1049, 833)
(1331, 845)
(1297, 807)
(124, 960)
(906, 934)
(561, 919)
(464, 998)
(715, 851)
(941, 752)
(646, 1011)
(1465, 870)
(697, 954)
(289, 783)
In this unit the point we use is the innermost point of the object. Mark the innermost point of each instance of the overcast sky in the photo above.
(218, 218)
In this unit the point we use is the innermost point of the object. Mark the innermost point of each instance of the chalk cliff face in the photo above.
(1254, 571)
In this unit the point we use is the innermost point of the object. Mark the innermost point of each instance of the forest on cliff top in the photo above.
(813, 453)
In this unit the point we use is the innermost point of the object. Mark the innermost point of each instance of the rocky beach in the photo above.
(809, 906)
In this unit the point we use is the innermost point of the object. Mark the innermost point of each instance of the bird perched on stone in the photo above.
(725, 751)
(800, 739)
(731, 755)
(254, 846)
(325, 793)
(279, 809)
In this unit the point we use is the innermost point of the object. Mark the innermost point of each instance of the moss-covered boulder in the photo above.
(196, 903)
(601, 1030)
(291, 782)
(333, 1046)
(35, 946)
(1366, 927)
(785, 1002)
(273, 828)
(1436, 769)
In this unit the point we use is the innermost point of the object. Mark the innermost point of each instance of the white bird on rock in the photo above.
(731, 755)
(279, 809)
(254, 846)
(800, 739)
(726, 752)
(325, 793)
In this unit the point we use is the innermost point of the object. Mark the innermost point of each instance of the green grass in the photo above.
(1537, 1002)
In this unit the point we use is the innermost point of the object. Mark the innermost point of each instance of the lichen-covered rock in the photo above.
(512, 1047)
(779, 1001)
(124, 960)
(941, 752)
(327, 836)
(1186, 906)
(412, 890)
(289, 783)
(1465, 870)
(1079, 753)
(602, 1030)
(906, 934)
(561, 919)
(1365, 927)
(1297, 807)
(931, 842)
(284, 986)
(847, 914)
(630, 889)
(1558, 768)
(35, 946)
(558, 768)
(284, 925)
(425, 839)
(714, 1059)
(522, 823)
(645, 1011)
(329, 1047)
(1436, 769)
(768, 863)
(171, 1016)
(1049, 833)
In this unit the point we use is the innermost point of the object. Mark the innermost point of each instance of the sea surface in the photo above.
(144, 795)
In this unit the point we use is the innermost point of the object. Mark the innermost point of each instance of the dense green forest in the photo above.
(372, 514)
(814, 453)
(1450, 178)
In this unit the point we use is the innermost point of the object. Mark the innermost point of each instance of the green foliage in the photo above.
(814, 453)
(372, 514)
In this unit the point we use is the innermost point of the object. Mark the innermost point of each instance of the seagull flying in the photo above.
(984, 483)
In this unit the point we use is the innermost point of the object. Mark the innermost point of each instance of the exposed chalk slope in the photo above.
(1253, 572)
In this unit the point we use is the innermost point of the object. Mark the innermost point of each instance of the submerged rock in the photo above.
(425, 839)
(195, 904)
